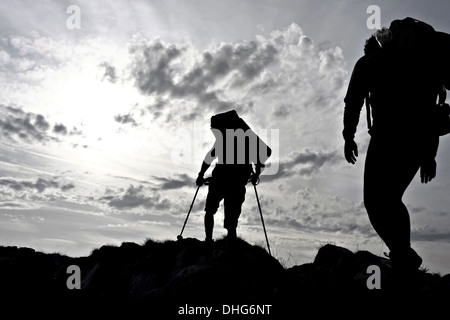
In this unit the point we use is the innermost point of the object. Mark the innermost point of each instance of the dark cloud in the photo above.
(179, 181)
(428, 233)
(28, 126)
(152, 68)
(12, 205)
(185, 83)
(244, 61)
(433, 236)
(315, 160)
(305, 163)
(282, 111)
(41, 123)
(110, 73)
(156, 109)
(126, 119)
(75, 132)
(157, 71)
(135, 197)
(40, 184)
(60, 129)
(67, 186)
(16, 123)
(316, 213)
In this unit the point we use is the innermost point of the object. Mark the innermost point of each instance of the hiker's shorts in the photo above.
(229, 187)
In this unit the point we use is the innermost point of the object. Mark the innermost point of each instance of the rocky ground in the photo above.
(180, 278)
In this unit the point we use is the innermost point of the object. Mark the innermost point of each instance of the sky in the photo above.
(105, 110)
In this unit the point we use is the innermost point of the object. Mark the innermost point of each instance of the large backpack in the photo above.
(410, 34)
(229, 124)
(417, 39)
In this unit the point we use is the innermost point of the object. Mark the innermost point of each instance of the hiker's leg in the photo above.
(234, 198)
(232, 233)
(209, 225)
(388, 172)
(215, 195)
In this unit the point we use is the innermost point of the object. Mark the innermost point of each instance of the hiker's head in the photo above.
(371, 45)
(383, 35)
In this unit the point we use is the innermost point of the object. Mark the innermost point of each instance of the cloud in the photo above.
(282, 80)
(313, 160)
(151, 65)
(178, 182)
(126, 119)
(312, 212)
(60, 129)
(242, 62)
(28, 126)
(15, 123)
(67, 186)
(135, 197)
(39, 185)
(430, 235)
(110, 73)
(304, 164)
(282, 111)
(432, 230)
(159, 69)
(11, 205)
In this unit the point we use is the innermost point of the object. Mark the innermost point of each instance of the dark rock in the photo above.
(166, 275)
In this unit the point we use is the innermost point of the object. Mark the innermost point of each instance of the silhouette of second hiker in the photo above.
(401, 74)
(236, 148)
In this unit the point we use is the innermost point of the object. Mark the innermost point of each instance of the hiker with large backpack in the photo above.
(400, 76)
(236, 148)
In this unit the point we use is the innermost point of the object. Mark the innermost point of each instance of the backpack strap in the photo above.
(442, 95)
(369, 119)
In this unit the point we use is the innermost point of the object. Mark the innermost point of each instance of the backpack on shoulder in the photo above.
(413, 35)
(441, 115)
(256, 150)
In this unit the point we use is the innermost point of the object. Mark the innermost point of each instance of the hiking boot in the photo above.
(405, 260)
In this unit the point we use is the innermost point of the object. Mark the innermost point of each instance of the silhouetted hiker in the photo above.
(236, 148)
(403, 70)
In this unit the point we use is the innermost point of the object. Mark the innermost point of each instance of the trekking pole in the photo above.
(180, 237)
(262, 219)
(206, 182)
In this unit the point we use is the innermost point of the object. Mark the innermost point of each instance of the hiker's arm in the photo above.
(200, 180)
(209, 158)
(354, 100)
(428, 163)
(203, 169)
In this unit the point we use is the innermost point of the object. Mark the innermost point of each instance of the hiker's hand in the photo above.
(254, 178)
(427, 170)
(350, 151)
(200, 180)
